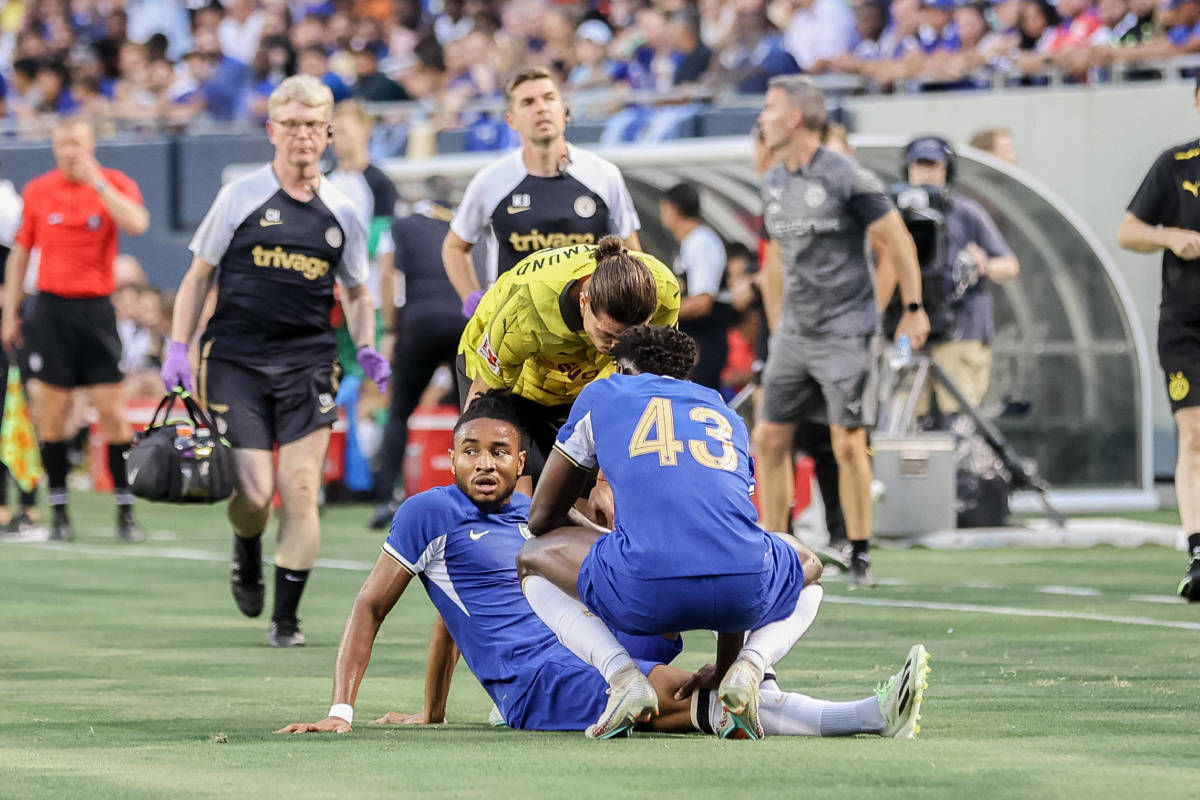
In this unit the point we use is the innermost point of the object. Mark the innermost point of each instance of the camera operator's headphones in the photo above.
(943, 145)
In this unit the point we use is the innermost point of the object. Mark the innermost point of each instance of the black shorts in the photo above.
(1179, 356)
(539, 423)
(257, 408)
(73, 341)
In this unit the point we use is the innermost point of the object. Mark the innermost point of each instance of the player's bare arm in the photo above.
(189, 300)
(360, 315)
(892, 236)
(554, 498)
(10, 324)
(632, 242)
(772, 287)
(1141, 237)
(374, 602)
(130, 216)
(439, 670)
(456, 258)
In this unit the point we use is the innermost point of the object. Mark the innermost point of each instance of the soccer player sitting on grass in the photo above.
(686, 552)
(462, 541)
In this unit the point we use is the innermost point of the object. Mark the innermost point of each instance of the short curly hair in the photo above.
(497, 404)
(657, 350)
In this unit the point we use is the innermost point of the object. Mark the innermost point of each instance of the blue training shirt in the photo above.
(467, 561)
(677, 459)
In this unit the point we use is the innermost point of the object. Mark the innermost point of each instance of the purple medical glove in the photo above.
(177, 369)
(375, 365)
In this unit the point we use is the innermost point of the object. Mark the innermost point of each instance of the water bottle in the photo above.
(901, 353)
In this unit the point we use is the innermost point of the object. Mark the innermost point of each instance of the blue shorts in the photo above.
(722, 603)
(565, 695)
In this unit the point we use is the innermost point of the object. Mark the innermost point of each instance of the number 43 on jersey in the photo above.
(655, 435)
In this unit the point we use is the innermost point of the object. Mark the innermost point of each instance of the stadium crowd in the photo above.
(154, 63)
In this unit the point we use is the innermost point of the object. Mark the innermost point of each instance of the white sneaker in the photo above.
(496, 718)
(631, 699)
(901, 695)
(739, 693)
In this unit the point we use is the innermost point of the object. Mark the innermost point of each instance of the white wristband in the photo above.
(342, 711)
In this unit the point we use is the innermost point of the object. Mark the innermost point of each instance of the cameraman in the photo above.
(963, 258)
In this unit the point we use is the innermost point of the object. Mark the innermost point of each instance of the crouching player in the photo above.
(686, 552)
(462, 541)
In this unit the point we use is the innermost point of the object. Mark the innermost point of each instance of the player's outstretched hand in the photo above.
(396, 718)
(704, 678)
(327, 725)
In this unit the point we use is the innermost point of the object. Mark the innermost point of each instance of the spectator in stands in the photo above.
(313, 61)
(938, 32)
(819, 31)
(594, 69)
(239, 33)
(705, 313)
(1182, 35)
(168, 17)
(453, 23)
(691, 55)
(54, 89)
(273, 62)
(755, 52)
(371, 85)
(1039, 19)
(997, 142)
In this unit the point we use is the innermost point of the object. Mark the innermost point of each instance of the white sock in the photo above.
(791, 714)
(767, 646)
(579, 630)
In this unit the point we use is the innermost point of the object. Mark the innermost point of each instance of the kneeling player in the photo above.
(463, 541)
(686, 552)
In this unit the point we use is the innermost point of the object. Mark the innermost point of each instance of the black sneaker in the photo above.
(127, 529)
(1189, 587)
(246, 576)
(381, 518)
(19, 524)
(60, 528)
(861, 576)
(285, 633)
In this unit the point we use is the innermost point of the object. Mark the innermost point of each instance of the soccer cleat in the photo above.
(901, 695)
(285, 633)
(381, 517)
(739, 693)
(832, 556)
(21, 523)
(1189, 587)
(496, 718)
(245, 575)
(631, 699)
(127, 529)
(60, 528)
(861, 576)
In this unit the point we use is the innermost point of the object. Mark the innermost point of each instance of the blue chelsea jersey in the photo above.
(467, 561)
(677, 459)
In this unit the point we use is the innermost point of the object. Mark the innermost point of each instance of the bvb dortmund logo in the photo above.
(1178, 386)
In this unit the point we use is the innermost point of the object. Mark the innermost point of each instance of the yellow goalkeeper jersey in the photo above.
(527, 335)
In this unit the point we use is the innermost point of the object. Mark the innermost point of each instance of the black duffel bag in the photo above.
(180, 460)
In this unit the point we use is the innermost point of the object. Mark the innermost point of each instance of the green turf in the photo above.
(127, 674)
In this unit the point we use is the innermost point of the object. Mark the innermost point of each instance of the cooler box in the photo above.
(918, 474)
(427, 457)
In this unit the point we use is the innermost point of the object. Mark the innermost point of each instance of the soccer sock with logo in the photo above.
(54, 459)
(289, 585)
(767, 645)
(860, 549)
(792, 714)
(116, 467)
(1194, 545)
(579, 630)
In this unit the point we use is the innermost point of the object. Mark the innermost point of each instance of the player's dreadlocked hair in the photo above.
(622, 286)
(497, 404)
(657, 350)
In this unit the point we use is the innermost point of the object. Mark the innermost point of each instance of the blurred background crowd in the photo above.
(184, 63)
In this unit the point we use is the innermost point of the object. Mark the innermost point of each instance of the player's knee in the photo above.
(1189, 432)
(849, 451)
(530, 559)
(771, 441)
(812, 568)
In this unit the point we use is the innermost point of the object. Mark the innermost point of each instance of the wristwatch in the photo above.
(911, 307)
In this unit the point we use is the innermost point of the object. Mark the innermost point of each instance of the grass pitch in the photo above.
(127, 672)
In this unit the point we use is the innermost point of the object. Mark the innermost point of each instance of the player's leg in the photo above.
(53, 411)
(110, 406)
(1187, 489)
(299, 479)
(786, 390)
(792, 596)
(548, 567)
(854, 490)
(813, 439)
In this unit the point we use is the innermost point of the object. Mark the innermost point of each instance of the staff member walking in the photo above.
(1164, 215)
(274, 241)
(546, 194)
(72, 215)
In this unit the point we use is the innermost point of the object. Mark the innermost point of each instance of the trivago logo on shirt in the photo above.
(536, 240)
(310, 267)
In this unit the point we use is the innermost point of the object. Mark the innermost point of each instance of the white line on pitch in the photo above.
(1009, 611)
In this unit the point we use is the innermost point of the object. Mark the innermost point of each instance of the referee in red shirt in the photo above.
(72, 215)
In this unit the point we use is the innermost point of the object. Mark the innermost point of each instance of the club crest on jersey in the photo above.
(54, 219)
(1178, 386)
(489, 355)
(93, 222)
(584, 206)
(815, 195)
(333, 236)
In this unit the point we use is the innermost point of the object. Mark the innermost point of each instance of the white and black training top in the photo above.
(522, 214)
(277, 258)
